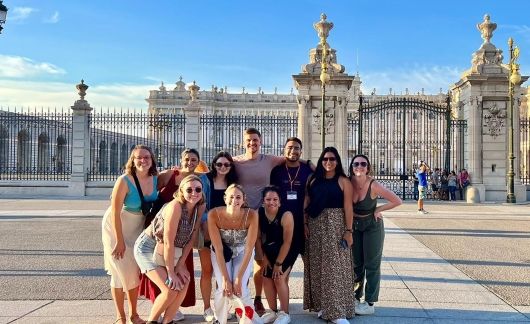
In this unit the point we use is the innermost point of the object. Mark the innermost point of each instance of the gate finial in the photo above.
(486, 28)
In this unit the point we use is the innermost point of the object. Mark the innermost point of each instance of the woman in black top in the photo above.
(222, 174)
(276, 227)
(328, 277)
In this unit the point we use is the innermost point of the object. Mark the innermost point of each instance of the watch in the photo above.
(278, 264)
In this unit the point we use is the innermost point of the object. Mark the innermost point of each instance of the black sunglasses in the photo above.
(226, 164)
(330, 159)
(357, 164)
(197, 190)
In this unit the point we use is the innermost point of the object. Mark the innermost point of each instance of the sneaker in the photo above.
(340, 321)
(179, 317)
(269, 316)
(319, 314)
(208, 315)
(258, 307)
(364, 309)
(229, 316)
(282, 318)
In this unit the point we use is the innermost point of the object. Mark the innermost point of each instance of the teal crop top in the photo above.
(132, 201)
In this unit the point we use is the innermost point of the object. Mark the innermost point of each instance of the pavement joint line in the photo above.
(32, 311)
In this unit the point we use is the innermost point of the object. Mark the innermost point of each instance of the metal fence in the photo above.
(524, 153)
(113, 135)
(35, 144)
(223, 131)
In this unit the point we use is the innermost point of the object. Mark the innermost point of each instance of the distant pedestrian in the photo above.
(122, 224)
(423, 168)
(452, 183)
(464, 181)
(369, 232)
(435, 183)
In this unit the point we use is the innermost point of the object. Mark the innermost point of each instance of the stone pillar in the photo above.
(483, 97)
(309, 87)
(80, 143)
(193, 113)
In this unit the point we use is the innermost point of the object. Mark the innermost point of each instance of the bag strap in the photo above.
(139, 188)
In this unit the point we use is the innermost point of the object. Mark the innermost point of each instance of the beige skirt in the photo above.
(124, 272)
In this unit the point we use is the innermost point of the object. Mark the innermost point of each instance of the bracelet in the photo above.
(278, 264)
(348, 230)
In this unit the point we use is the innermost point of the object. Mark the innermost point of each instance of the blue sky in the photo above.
(123, 49)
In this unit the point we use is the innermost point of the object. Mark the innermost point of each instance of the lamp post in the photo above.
(323, 27)
(3, 15)
(514, 78)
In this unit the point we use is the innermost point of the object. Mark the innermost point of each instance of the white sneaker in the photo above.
(208, 315)
(269, 316)
(179, 317)
(283, 318)
(229, 316)
(364, 309)
(340, 321)
(319, 314)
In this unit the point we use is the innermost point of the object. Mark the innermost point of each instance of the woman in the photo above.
(464, 181)
(276, 227)
(451, 181)
(168, 182)
(222, 175)
(233, 231)
(444, 185)
(328, 221)
(369, 232)
(122, 224)
(162, 248)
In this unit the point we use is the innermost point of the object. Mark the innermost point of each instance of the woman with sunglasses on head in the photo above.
(122, 224)
(328, 218)
(369, 232)
(221, 175)
(168, 184)
(233, 230)
(162, 248)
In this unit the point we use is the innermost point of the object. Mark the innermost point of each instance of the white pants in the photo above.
(222, 303)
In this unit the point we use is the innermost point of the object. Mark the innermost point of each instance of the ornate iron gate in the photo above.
(396, 133)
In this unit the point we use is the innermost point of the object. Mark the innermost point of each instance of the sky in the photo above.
(123, 49)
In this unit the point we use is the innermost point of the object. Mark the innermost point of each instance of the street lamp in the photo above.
(3, 15)
(323, 27)
(514, 78)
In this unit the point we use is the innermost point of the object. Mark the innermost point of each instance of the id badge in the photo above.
(292, 195)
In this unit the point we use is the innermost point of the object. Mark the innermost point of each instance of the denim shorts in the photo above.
(143, 252)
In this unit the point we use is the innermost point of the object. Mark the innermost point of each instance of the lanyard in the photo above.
(291, 181)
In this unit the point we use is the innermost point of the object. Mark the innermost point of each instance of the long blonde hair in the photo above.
(179, 194)
(240, 188)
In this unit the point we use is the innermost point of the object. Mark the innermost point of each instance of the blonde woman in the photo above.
(233, 231)
(122, 224)
(161, 250)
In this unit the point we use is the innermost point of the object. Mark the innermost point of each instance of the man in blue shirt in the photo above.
(423, 169)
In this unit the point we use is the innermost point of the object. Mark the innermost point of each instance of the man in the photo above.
(291, 177)
(423, 168)
(253, 170)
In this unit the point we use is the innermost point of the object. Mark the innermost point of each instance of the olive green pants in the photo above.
(369, 236)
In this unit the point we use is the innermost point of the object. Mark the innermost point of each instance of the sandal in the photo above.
(136, 319)
(120, 320)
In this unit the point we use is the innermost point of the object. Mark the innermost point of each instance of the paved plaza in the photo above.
(459, 263)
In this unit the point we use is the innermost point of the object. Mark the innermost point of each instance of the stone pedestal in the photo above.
(192, 112)
(80, 148)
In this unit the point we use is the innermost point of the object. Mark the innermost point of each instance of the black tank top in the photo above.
(367, 205)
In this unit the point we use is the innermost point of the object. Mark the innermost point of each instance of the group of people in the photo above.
(444, 184)
(250, 215)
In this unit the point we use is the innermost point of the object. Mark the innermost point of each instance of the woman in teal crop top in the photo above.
(369, 232)
(122, 224)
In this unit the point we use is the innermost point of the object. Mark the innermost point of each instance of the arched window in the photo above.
(103, 157)
(114, 166)
(4, 149)
(23, 151)
(124, 156)
(43, 153)
(60, 156)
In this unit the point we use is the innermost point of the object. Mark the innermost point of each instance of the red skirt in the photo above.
(148, 289)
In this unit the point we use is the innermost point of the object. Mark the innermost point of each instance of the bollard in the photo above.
(472, 195)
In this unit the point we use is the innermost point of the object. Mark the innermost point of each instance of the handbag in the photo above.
(149, 208)
(227, 251)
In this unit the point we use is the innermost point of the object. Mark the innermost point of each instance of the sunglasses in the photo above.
(357, 164)
(220, 165)
(330, 159)
(197, 190)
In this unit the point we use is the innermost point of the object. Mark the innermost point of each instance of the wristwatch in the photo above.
(278, 264)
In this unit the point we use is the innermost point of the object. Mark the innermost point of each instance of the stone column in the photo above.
(80, 143)
(193, 112)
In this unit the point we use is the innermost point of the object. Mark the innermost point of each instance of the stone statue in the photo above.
(486, 28)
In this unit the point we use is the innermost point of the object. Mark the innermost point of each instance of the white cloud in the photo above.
(18, 93)
(431, 79)
(20, 67)
(53, 19)
(21, 13)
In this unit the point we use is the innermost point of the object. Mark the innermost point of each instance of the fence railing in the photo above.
(35, 144)
(524, 153)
